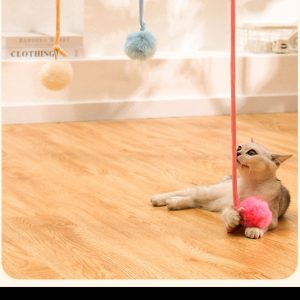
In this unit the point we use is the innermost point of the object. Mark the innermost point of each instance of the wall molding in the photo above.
(120, 110)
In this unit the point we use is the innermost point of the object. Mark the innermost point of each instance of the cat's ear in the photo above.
(279, 159)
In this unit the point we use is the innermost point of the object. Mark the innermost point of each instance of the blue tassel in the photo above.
(140, 45)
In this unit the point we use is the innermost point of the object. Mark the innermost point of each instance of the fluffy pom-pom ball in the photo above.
(56, 75)
(140, 45)
(255, 213)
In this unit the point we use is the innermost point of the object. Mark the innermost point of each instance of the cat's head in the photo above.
(254, 161)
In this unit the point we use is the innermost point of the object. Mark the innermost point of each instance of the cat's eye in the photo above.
(252, 152)
(239, 148)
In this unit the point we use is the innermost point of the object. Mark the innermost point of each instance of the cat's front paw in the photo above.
(231, 218)
(158, 200)
(254, 233)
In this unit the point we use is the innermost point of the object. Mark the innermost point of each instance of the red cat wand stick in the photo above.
(233, 104)
(254, 211)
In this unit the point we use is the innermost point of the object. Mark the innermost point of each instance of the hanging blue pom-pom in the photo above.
(140, 45)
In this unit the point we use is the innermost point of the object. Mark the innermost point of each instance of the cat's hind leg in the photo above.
(181, 202)
(210, 197)
(161, 199)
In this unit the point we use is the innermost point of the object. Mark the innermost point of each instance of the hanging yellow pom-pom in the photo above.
(56, 75)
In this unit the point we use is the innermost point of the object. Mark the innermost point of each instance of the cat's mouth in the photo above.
(241, 165)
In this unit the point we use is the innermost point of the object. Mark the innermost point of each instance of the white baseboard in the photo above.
(114, 110)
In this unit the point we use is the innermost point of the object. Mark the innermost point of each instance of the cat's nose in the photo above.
(238, 153)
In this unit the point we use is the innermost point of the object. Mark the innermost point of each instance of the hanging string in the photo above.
(142, 20)
(57, 48)
(233, 103)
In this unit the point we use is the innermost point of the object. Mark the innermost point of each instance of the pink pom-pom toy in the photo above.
(255, 213)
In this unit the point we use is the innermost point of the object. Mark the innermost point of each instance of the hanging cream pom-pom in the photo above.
(56, 75)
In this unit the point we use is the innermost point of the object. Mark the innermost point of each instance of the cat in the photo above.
(257, 168)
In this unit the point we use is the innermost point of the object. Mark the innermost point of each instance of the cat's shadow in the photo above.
(237, 232)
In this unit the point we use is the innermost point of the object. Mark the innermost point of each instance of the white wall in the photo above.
(268, 11)
(181, 26)
(39, 16)
(181, 81)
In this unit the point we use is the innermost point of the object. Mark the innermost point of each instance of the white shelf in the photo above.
(168, 85)
(161, 56)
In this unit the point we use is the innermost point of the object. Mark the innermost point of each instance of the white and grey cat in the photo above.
(257, 168)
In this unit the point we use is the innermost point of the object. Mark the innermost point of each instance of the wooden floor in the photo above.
(76, 200)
